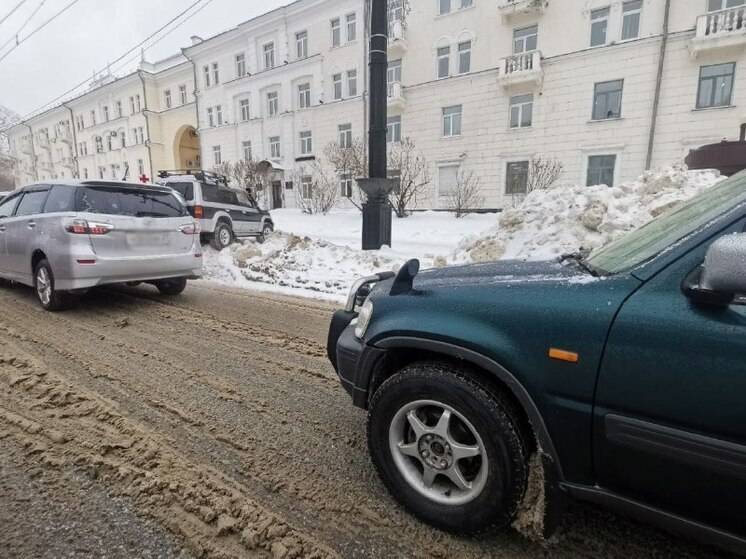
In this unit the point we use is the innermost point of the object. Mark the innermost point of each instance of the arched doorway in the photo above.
(186, 148)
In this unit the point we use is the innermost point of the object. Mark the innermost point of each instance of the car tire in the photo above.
(171, 286)
(267, 230)
(477, 471)
(222, 237)
(48, 296)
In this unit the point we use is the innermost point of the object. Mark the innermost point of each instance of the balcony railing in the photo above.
(721, 29)
(396, 99)
(397, 40)
(509, 8)
(521, 68)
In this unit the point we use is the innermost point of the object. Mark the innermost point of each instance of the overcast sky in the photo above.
(95, 32)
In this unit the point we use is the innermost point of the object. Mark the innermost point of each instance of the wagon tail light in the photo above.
(199, 212)
(190, 228)
(84, 227)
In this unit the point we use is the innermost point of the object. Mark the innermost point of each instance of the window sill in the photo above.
(453, 137)
(456, 11)
(598, 120)
(718, 108)
(520, 128)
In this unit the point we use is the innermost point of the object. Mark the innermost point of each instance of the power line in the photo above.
(127, 53)
(11, 12)
(23, 26)
(35, 31)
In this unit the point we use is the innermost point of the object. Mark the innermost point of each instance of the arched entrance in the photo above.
(186, 148)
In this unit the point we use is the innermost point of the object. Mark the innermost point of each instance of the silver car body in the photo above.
(132, 249)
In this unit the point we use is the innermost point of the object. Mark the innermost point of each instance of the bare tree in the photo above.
(542, 173)
(7, 180)
(349, 161)
(408, 165)
(465, 195)
(244, 175)
(317, 189)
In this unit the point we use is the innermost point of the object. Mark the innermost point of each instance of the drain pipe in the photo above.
(145, 111)
(658, 83)
(33, 152)
(75, 152)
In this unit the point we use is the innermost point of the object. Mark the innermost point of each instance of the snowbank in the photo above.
(320, 256)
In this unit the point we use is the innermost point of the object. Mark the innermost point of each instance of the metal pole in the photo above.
(378, 66)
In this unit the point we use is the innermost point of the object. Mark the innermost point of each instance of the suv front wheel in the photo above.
(222, 237)
(448, 449)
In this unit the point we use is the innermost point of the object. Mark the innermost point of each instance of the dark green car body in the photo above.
(650, 418)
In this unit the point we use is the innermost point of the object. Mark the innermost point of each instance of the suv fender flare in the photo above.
(221, 215)
(544, 440)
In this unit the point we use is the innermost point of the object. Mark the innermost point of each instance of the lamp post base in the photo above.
(376, 212)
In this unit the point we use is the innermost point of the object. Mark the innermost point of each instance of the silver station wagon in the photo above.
(64, 238)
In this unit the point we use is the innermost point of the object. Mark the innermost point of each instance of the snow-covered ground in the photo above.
(320, 256)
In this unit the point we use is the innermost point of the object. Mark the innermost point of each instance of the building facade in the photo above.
(608, 88)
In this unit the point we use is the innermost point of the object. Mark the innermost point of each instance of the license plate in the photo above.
(145, 239)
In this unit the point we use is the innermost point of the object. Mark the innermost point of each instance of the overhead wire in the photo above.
(12, 11)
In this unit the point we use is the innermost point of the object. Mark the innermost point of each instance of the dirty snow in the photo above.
(320, 256)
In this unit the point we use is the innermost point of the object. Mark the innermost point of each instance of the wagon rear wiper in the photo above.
(579, 258)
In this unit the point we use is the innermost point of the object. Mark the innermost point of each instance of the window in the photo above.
(101, 172)
(132, 105)
(140, 167)
(717, 5)
(715, 85)
(273, 107)
(243, 107)
(444, 55)
(240, 65)
(108, 143)
(607, 100)
(137, 103)
(393, 74)
(306, 187)
(7, 207)
(99, 144)
(122, 139)
(85, 172)
(206, 74)
(345, 135)
(269, 56)
(352, 83)
(119, 109)
(32, 203)
(301, 44)
(93, 118)
(601, 170)
(452, 121)
(306, 142)
(60, 199)
(142, 134)
(105, 111)
(336, 33)
(393, 129)
(210, 117)
(304, 95)
(219, 114)
(351, 27)
(345, 185)
(631, 19)
(217, 156)
(183, 94)
(337, 86)
(526, 39)
(447, 178)
(466, 4)
(167, 98)
(274, 147)
(215, 74)
(444, 7)
(464, 57)
(599, 24)
(246, 148)
(521, 110)
(516, 177)
(115, 200)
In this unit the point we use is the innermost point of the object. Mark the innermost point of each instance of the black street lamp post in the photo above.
(376, 210)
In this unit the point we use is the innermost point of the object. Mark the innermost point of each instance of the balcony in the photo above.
(396, 99)
(397, 39)
(510, 8)
(719, 30)
(68, 162)
(521, 69)
(46, 166)
(43, 142)
(64, 135)
(26, 147)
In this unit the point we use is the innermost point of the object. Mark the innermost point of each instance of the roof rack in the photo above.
(202, 176)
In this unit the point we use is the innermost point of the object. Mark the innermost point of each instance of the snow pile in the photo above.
(565, 219)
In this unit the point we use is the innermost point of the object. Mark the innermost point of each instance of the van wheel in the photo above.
(49, 298)
(171, 286)
(448, 449)
(222, 237)
(267, 230)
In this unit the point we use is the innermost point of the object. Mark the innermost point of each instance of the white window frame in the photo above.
(215, 73)
(626, 13)
(183, 94)
(268, 50)
(522, 37)
(598, 15)
(344, 135)
(351, 26)
(337, 90)
(244, 107)
(601, 153)
(240, 65)
(304, 95)
(352, 83)
(206, 75)
(524, 163)
(464, 54)
(275, 147)
(301, 44)
(443, 54)
(306, 187)
(444, 165)
(217, 155)
(445, 7)
(210, 117)
(167, 98)
(520, 103)
(452, 123)
(336, 32)
(246, 150)
(393, 129)
(345, 185)
(273, 104)
(306, 142)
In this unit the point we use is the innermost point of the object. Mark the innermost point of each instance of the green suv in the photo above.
(617, 377)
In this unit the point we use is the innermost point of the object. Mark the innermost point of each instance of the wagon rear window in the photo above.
(128, 201)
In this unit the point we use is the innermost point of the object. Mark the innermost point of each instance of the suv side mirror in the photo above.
(723, 275)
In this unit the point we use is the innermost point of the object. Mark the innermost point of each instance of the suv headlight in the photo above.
(363, 318)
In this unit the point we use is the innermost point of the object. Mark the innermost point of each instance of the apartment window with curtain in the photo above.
(599, 26)
(217, 156)
(243, 106)
(240, 65)
(306, 142)
(525, 39)
(269, 56)
(352, 83)
(521, 111)
(246, 149)
(444, 55)
(452, 117)
(273, 103)
(274, 147)
(631, 11)
(336, 32)
(715, 85)
(516, 177)
(601, 170)
(607, 100)
(351, 20)
(183, 94)
(304, 95)
(344, 132)
(464, 57)
(167, 98)
(301, 44)
(393, 129)
(337, 86)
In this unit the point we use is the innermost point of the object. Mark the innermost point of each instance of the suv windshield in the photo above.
(186, 189)
(136, 202)
(657, 235)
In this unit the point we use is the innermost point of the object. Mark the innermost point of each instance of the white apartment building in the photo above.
(606, 87)
(134, 126)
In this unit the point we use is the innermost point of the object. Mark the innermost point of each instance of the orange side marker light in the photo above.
(563, 355)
